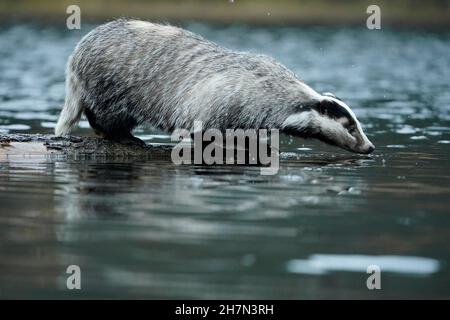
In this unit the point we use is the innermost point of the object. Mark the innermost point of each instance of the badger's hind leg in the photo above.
(118, 130)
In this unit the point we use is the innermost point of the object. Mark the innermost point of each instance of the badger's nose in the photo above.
(369, 149)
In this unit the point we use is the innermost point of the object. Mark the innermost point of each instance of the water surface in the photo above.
(150, 229)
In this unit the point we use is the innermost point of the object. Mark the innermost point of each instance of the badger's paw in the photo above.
(128, 140)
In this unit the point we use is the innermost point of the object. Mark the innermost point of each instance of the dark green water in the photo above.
(155, 230)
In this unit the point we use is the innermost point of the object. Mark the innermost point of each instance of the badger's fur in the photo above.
(128, 72)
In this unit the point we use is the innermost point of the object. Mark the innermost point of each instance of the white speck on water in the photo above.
(32, 115)
(439, 128)
(324, 263)
(48, 124)
(434, 133)
(292, 178)
(154, 136)
(444, 141)
(404, 221)
(84, 124)
(406, 129)
(418, 138)
(335, 189)
(15, 127)
(353, 190)
(398, 146)
(304, 149)
(248, 260)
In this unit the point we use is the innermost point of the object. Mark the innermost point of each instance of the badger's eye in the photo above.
(352, 129)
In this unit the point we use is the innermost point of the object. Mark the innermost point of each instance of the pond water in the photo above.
(150, 229)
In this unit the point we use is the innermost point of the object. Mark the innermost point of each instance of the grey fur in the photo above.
(128, 72)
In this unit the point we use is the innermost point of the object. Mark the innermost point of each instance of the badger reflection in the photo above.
(127, 189)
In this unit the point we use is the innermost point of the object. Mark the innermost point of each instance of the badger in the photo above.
(128, 72)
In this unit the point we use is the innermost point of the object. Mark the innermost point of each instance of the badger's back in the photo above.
(135, 71)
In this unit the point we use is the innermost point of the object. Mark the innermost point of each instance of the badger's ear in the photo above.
(333, 108)
(332, 95)
(329, 94)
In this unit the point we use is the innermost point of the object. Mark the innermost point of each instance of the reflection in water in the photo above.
(149, 229)
(153, 229)
(155, 211)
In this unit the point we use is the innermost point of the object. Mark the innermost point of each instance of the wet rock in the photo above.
(14, 144)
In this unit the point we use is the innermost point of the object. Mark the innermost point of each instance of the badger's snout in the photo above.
(369, 149)
(363, 145)
(366, 148)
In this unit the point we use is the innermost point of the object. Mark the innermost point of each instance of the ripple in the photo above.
(395, 146)
(15, 127)
(418, 138)
(48, 124)
(406, 129)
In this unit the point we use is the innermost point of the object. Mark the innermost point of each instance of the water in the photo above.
(155, 230)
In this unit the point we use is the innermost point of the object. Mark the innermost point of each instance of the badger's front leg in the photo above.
(114, 129)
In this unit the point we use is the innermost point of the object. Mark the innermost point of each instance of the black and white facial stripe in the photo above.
(331, 121)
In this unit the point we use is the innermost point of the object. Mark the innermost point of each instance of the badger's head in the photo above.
(330, 120)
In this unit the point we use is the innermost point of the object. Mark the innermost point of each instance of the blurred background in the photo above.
(433, 13)
(150, 229)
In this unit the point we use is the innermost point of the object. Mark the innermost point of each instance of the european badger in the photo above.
(127, 72)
